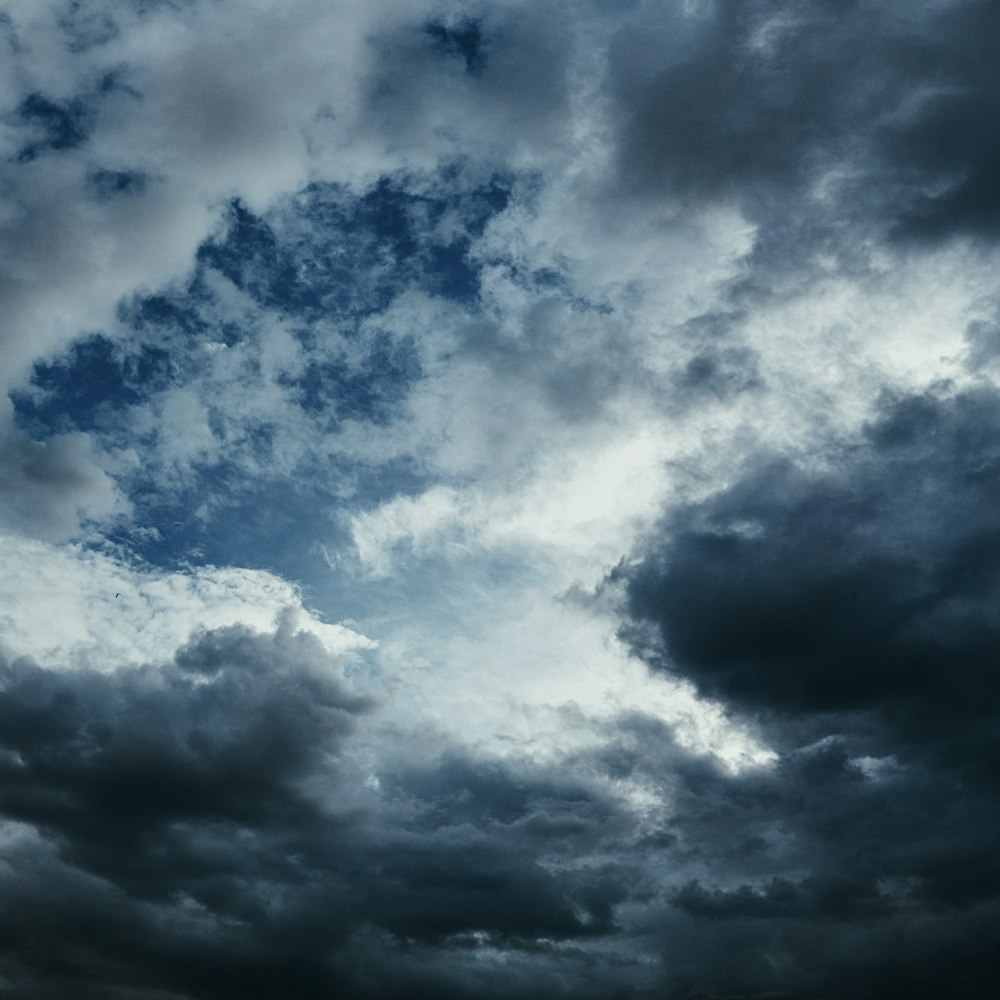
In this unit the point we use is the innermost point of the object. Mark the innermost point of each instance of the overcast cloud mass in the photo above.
(499, 499)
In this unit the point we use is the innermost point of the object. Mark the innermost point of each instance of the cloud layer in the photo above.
(497, 500)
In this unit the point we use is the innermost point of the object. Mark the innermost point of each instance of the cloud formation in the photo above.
(498, 503)
(210, 808)
(850, 611)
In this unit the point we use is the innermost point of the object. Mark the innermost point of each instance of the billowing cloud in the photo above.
(864, 587)
(850, 611)
(764, 102)
(212, 808)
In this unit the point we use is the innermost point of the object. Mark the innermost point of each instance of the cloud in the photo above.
(69, 606)
(844, 591)
(849, 610)
(47, 488)
(169, 132)
(762, 102)
(423, 318)
(151, 787)
(204, 826)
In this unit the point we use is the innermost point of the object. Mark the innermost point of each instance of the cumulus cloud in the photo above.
(211, 807)
(848, 590)
(850, 613)
(763, 102)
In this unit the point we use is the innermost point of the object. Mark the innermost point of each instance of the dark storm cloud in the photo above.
(760, 101)
(220, 736)
(869, 588)
(818, 876)
(852, 613)
(197, 828)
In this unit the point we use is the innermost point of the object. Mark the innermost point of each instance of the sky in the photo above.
(499, 499)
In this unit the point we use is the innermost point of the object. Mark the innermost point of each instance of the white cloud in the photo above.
(70, 607)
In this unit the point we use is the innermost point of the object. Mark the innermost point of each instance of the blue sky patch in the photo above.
(65, 125)
(366, 392)
(329, 255)
(78, 390)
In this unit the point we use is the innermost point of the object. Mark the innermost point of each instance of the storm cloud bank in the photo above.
(851, 613)
(199, 828)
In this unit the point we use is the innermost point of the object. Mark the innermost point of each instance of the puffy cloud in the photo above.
(846, 590)
(47, 487)
(69, 606)
(203, 826)
(766, 103)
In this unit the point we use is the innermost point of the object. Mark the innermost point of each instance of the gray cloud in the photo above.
(831, 125)
(48, 488)
(868, 588)
(496, 247)
(201, 827)
(851, 613)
